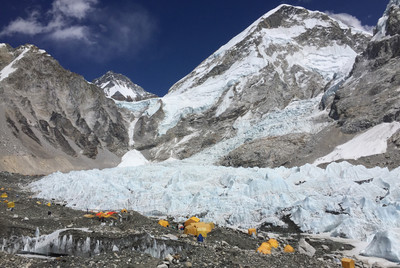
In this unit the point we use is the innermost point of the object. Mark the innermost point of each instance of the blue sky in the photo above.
(153, 42)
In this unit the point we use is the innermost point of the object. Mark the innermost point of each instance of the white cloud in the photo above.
(104, 32)
(74, 32)
(29, 26)
(74, 8)
(351, 21)
(61, 23)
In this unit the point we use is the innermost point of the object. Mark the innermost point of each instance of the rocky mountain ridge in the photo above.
(121, 88)
(53, 119)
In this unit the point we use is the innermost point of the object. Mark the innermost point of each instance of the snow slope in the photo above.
(371, 142)
(9, 69)
(133, 158)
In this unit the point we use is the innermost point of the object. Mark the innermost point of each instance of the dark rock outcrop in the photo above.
(371, 94)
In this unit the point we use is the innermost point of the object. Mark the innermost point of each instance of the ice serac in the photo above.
(53, 119)
(287, 57)
(121, 88)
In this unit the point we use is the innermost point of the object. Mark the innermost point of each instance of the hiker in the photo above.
(200, 238)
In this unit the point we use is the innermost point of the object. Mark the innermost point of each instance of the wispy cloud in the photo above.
(60, 20)
(73, 8)
(101, 31)
(351, 21)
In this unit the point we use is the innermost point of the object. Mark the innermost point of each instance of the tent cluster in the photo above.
(47, 204)
(192, 226)
(195, 227)
(266, 247)
(4, 195)
(104, 215)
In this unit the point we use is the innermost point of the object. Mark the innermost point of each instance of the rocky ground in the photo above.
(137, 241)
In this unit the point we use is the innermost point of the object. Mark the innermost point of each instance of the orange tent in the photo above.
(100, 214)
(111, 212)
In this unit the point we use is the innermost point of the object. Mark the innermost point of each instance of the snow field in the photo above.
(343, 200)
(371, 142)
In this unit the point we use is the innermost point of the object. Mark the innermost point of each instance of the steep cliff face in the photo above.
(54, 119)
(289, 55)
(372, 93)
(121, 88)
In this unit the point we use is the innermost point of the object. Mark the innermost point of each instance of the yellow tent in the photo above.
(197, 228)
(273, 243)
(89, 216)
(265, 248)
(4, 195)
(191, 220)
(288, 249)
(252, 231)
(124, 211)
(190, 229)
(10, 204)
(348, 263)
(163, 223)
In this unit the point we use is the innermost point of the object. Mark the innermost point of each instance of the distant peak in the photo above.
(120, 87)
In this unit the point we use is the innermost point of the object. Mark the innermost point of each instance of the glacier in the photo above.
(342, 200)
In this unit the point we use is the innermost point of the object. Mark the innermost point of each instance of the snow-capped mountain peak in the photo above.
(120, 87)
(292, 44)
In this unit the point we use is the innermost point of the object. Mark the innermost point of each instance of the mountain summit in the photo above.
(120, 87)
(286, 58)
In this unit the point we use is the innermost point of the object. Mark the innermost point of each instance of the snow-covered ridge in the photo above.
(9, 69)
